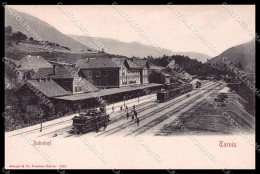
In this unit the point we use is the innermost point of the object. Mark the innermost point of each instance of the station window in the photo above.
(124, 82)
(79, 88)
(98, 83)
(105, 82)
(98, 74)
(105, 73)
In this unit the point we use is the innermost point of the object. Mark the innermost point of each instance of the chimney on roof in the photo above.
(54, 69)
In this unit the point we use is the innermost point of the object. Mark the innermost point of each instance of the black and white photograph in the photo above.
(129, 86)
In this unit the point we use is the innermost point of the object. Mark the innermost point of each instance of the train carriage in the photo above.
(170, 94)
(172, 85)
(185, 88)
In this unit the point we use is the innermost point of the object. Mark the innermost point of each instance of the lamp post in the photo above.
(41, 122)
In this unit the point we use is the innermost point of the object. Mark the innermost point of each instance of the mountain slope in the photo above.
(243, 55)
(44, 30)
(134, 48)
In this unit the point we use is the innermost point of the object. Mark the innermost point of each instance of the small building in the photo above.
(28, 65)
(48, 83)
(67, 77)
(159, 75)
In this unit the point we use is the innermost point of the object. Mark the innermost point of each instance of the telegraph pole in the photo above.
(41, 123)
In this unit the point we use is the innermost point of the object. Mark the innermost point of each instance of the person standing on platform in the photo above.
(126, 108)
(137, 121)
(127, 115)
(134, 107)
(121, 108)
(113, 109)
(135, 113)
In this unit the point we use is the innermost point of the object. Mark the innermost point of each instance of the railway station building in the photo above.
(112, 72)
(90, 84)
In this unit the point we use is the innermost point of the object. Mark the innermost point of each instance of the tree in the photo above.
(8, 33)
(8, 30)
(33, 112)
(240, 66)
(18, 36)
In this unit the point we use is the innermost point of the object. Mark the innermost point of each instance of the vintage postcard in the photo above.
(130, 87)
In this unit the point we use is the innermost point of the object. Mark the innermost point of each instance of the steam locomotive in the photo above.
(92, 120)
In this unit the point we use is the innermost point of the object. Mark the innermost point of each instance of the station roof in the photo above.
(48, 87)
(104, 63)
(60, 73)
(141, 62)
(93, 63)
(105, 92)
(132, 65)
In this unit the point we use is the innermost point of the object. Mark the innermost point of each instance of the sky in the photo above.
(160, 23)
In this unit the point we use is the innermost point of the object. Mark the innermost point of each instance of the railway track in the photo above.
(196, 107)
(123, 115)
(158, 120)
(63, 122)
(147, 115)
(144, 106)
(139, 100)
